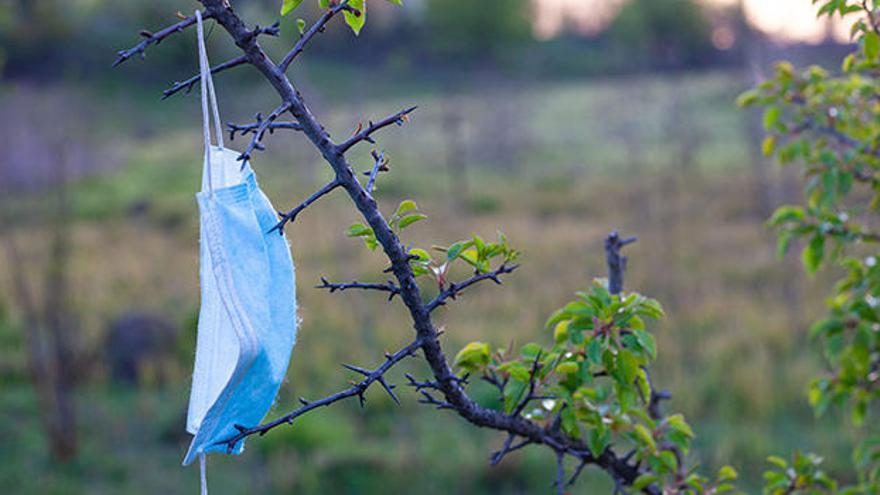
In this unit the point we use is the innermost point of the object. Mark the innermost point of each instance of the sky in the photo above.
(790, 20)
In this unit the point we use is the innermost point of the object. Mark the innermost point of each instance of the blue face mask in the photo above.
(247, 321)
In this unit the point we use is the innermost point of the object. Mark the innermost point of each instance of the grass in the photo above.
(555, 166)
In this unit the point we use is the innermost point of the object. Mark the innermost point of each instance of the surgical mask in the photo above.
(247, 320)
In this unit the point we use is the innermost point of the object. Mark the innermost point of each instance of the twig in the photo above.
(454, 289)
(419, 385)
(365, 134)
(616, 261)
(379, 164)
(155, 39)
(317, 27)
(531, 393)
(260, 131)
(188, 84)
(357, 389)
(388, 287)
(291, 215)
(430, 399)
(246, 129)
(507, 448)
(577, 472)
(560, 473)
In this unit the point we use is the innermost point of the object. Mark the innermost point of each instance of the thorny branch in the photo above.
(155, 39)
(365, 134)
(390, 287)
(246, 129)
(260, 131)
(317, 27)
(507, 448)
(380, 164)
(291, 215)
(188, 84)
(356, 390)
(456, 288)
(621, 468)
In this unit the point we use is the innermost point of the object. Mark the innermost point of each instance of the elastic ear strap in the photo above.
(212, 93)
(208, 91)
(204, 75)
(203, 478)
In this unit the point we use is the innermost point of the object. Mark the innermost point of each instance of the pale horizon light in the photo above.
(786, 20)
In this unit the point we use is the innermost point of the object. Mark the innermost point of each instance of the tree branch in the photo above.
(246, 129)
(454, 289)
(616, 262)
(398, 118)
(388, 286)
(380, 164)
(188, 84)
(317, 27)
(155, 39)
(356, 390)
(507, 448)
(291, 215)
(260, 131)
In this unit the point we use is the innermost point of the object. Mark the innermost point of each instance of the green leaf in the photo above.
(560, 333)
(813, 254)
(727, 473)
(405, 206)
(628, 366)
(768, 145)
(594, 351)
(777, 461)
(646, 340)
(785, 214)
(598, 440)
(645, 437)
(771, 117)
(567, 368)
(473, 356)
(748, 98)
(513, 393)
(644, 385)
(455, 250)
(359, 230)
(421, 253)
(301, 25)
(289, 5)
(411, 219)
(644, 480)
(356, 21)
(872, 45)
(677, 423)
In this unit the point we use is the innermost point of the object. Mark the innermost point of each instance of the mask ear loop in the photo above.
(208, 91)
(203, 478)
(207, 86)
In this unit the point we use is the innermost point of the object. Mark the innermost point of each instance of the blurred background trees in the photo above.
(672, 33)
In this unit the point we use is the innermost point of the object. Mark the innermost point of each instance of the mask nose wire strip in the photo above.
(208, 91)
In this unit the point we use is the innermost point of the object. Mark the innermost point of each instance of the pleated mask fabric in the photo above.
(247, 320)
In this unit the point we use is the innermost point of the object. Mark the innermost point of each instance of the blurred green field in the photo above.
(554, 165)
